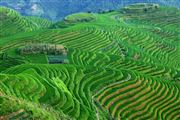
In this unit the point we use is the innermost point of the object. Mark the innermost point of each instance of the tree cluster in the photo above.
(48, 49)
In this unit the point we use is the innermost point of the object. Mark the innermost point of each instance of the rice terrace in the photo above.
(114, 64)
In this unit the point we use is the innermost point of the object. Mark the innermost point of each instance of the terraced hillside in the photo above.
(118, 65)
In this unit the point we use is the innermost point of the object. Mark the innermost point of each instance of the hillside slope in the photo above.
(58, 9)
(121, 64)
(11, 22)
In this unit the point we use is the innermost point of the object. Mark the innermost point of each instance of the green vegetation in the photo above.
(11, 22)
(119, 65)
(141, 7)
(47, 49)
(80, 17)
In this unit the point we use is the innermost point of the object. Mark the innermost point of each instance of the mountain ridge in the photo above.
(57, 10)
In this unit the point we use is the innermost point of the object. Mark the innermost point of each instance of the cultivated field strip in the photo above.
(116, 98)
(138, 97)
(84, 58)
(120, 66)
